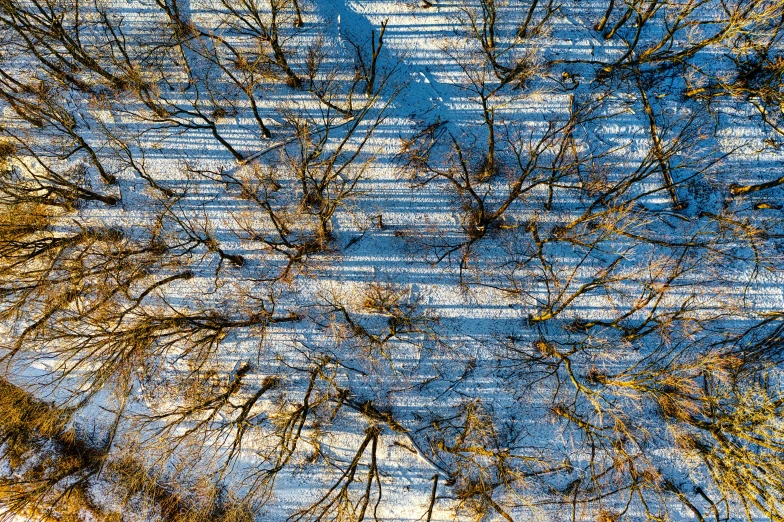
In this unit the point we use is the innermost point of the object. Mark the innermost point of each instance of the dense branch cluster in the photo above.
(550, 295)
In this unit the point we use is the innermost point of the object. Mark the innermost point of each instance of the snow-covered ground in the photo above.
(554, 338)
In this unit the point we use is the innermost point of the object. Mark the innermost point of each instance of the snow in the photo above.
(474, 343)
